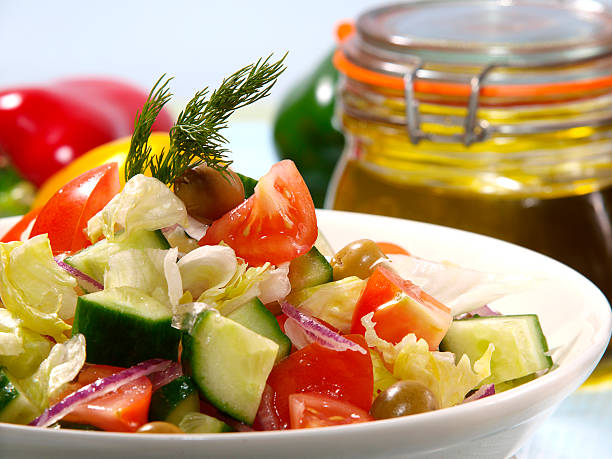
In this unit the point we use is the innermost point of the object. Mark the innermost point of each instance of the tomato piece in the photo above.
(308, 410)
(64, 218)
(123, 410)
(276, 224)
(389, 248)
(400, 307)
(15, 233)
(345, 375)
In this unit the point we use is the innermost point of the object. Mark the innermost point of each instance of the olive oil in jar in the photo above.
(493, 117)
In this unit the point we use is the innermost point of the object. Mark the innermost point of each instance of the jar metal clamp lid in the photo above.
(495, 53)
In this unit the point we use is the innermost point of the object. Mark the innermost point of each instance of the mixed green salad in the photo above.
(202, 300)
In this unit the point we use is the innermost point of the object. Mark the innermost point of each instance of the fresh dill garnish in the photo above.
(140, 151)
(195, 137)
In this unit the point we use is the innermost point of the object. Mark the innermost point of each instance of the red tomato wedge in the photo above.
(276, 224)
(400, 307)
(15, 233)
(308, 410)
(345, 376)
(64, 217)
(123, 410)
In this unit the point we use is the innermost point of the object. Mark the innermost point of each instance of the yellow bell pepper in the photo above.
(115, 151)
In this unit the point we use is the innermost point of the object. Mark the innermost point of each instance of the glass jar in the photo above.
(489, 116)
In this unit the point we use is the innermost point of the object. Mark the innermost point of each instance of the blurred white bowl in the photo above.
(574, 314)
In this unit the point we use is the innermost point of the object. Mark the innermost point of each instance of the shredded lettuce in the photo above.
(383, 378)
(61, 366)
(153, 271)
(145, 203)
(243, 287)
(333, 302)
(207, 267)
(411, 359)
(34, 288)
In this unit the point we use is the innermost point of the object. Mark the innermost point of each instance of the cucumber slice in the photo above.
(173, 401)
(124, 326)
(520, 345)
(229, 363)
(15, 406)
(201, 423)
(309, 270)
(256, 317)
(248, 183)
(93, 260)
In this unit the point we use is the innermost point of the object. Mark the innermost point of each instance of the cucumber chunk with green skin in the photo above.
(255, 316)
(124, 326)
(170, 403)
(309, 270)
(15, 406)
(93, 260)
(202, 423)
(248, 184)
(520, 345)
(229, 363)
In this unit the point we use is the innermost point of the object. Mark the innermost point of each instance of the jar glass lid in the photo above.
(556, 46)
(480, 32)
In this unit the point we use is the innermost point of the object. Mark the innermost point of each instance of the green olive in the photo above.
(208, 193)
(403, 398)
(356, 259)
(159, 427)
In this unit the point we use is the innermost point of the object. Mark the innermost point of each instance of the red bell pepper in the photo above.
(43, 128)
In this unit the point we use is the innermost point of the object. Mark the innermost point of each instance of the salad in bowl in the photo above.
(169, 294)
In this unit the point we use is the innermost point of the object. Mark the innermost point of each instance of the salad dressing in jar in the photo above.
(493, 117)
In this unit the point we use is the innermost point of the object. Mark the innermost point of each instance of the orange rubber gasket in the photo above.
(457, 89)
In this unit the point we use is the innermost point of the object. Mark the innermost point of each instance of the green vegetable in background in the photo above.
(304, 132)
(16, 194)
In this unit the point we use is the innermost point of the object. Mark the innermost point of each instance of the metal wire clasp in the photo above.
(470, 132)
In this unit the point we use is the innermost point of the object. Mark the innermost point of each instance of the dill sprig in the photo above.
(140, 151)
(195, 138)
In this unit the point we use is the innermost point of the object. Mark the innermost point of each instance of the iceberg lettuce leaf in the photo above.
(207, 267)
(145, 203)
(157, 273)
(11, 342)
(21, 350)
(34, 288)
(333, 302)
(461, 289)
(61, 366)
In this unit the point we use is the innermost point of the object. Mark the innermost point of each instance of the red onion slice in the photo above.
(484, 391)
(86, 282)
(299, 337)
(319, 332)
(97, 389)
(167, 375)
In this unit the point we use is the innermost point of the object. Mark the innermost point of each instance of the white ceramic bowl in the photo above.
(574, 314)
